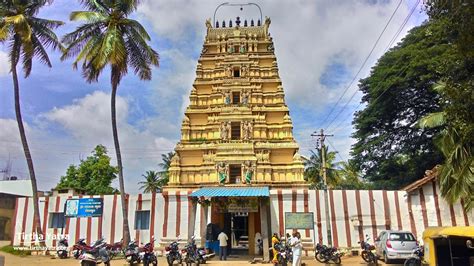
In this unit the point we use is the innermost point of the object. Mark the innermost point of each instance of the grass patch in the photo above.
(17, 251)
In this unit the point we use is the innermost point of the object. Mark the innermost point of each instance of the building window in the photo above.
(142, 220)
(57, 220)
(236, 73)
(235, 97)
(235, 173)
(235, 130)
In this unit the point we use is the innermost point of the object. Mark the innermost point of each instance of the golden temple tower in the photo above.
(237, 130)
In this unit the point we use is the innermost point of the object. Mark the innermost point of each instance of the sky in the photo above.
(320, 46)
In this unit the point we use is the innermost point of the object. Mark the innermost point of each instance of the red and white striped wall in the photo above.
(353, 214)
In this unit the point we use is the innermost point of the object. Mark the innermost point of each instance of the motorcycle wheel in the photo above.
(88, 263)
(77, 254)
(412, 262)
(371, 258)
(321, 258)
(281, 261)
(365, 256)
(336, 259)
(107, 263)
(169, 260)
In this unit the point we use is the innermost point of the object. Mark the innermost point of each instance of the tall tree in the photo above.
(28, 37)
(94, 175)
(314, 171)
(109, 37)
(456, 120)
(151, 183)
(391, 150)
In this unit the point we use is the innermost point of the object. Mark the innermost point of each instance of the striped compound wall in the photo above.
(353, 214)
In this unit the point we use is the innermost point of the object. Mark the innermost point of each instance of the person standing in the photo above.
(275, 241)
(297, 248)
(222, 237)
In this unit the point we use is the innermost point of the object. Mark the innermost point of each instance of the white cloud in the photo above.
(308, 35)
(84, 124)
(4, 64)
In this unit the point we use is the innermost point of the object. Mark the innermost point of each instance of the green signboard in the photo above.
(299, 220)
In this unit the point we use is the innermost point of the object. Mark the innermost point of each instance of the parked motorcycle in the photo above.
(79, 247)
(95, 254)
(325, 254)
(115, 249)
(282, 255)
(190, 254)
(132, 253)
(62, 248)
(148, 256)
(417, 257)
(173, 254)
(367, 251)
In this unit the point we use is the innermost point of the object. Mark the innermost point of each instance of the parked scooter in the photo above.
(95, 254)
(62, 248)
(325, 254)
(173, 254)
(367, 251)
(417, 257)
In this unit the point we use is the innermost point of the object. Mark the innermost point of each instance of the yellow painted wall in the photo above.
(283, 156)
(191, 157)
(198, 119)
(203, 89)
(269, 87)
(266, 62)
(275, 117)
(208, 64)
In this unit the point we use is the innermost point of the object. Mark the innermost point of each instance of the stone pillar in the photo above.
(251, 233)
(192, 219)
(265, 226)
(204, 213)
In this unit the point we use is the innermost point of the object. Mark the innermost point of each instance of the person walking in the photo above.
(297, 248)
(222, 237)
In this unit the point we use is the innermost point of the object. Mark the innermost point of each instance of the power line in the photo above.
(337, 152)
(355, 92)
(363, 63)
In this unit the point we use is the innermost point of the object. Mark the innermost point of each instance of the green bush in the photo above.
(16, 250)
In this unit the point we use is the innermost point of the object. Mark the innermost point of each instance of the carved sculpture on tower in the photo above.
(222, 171)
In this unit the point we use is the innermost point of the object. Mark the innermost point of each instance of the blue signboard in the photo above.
(86, 207)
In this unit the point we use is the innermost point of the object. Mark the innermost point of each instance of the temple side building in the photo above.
(237, 145)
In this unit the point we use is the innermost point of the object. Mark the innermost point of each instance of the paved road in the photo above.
(11, 260)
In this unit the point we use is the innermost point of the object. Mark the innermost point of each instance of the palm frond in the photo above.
(432, 120)
(89, 16)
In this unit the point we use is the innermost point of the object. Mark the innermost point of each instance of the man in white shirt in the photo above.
(222, 237)
(297, 248)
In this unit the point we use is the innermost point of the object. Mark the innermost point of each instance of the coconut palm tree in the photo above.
(28, 37)
(109, 37)
(151, 183)
(350, 177)
(314, 171)
(165, 165)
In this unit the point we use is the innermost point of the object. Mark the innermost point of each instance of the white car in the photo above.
(395, 245)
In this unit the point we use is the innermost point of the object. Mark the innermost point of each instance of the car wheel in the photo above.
(386, 259)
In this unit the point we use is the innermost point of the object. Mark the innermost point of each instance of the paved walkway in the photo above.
(11, 260)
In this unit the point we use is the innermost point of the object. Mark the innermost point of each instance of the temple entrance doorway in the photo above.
(240, 227)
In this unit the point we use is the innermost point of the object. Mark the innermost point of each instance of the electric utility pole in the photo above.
(321, 137)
